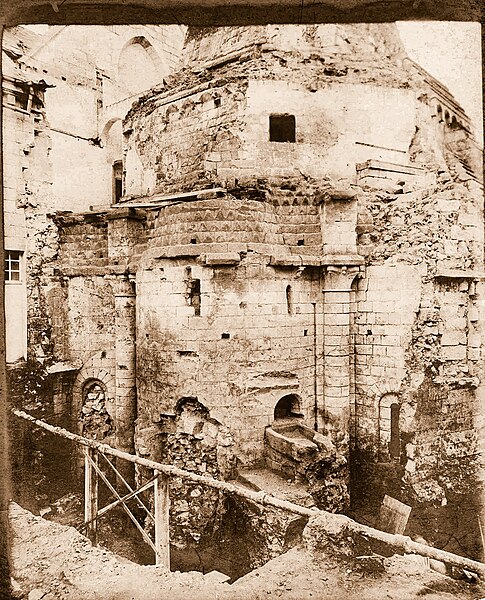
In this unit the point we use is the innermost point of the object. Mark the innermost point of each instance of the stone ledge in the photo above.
(457, 274)
(87, 270)
(222, 258)
(342, 259)
(297, 260)
(392, 167)
(126, 212)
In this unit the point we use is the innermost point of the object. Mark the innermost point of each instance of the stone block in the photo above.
(340, 319)
(474, 354)
(474, 340)
(453, 338)
(454, 352)
(222, 258)
(394, 351)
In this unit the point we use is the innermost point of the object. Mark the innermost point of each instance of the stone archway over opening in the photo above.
(287, 407)
(139, 66)
(389, 430)
(112, 138)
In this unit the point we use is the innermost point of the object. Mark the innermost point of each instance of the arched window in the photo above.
(289, 299)
(288, 406)
(139, 66)
(389, 433)
(395, 441)
(439, 112)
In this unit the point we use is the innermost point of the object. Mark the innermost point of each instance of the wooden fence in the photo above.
(160, 481)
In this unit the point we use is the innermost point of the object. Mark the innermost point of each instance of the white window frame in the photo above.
(13, 266)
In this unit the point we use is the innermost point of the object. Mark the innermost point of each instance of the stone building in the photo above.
(293, 278)
(65, 91)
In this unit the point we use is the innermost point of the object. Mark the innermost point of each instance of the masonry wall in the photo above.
(337, 126)
(238, 358)
(194, 135)
(60, 151)
(356, 289)
(418, 339)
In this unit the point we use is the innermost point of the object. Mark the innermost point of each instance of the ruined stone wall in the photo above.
(238, 358)
(195, 133)
(418, 339)
(211, 118)
(204, 44)
(337, 126)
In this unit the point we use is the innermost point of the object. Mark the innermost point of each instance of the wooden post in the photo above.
(162, 513)
(90, 494)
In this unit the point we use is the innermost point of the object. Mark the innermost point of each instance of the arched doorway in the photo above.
(287, 407)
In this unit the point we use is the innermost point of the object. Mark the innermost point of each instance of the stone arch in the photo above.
(288, 406)
(139, 65)
(439, 112)
(92, 371)
(96, 422)
(112, 139)
(388, 426)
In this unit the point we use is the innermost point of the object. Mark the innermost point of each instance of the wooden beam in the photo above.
(90, 494)
(162, 514)
(129, 496)
(398, 541)
(223, 13)
(132, 493)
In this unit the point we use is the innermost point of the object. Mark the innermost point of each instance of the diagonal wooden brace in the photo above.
(128, 486)
(144, 534)
(143, 488)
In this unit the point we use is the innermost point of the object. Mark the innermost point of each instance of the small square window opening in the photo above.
(12, 265)
(282, 128)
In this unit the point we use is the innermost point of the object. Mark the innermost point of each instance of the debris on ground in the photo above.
(55, 562)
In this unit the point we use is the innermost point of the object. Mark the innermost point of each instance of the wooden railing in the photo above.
(160, 481)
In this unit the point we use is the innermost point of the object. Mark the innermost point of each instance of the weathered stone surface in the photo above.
(328, 534)
(340, 265)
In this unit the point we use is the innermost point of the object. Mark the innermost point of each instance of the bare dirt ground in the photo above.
(51, 561)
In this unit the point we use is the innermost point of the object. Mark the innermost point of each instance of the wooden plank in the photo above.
(90, 494)
(162, 514)
(393, 515)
